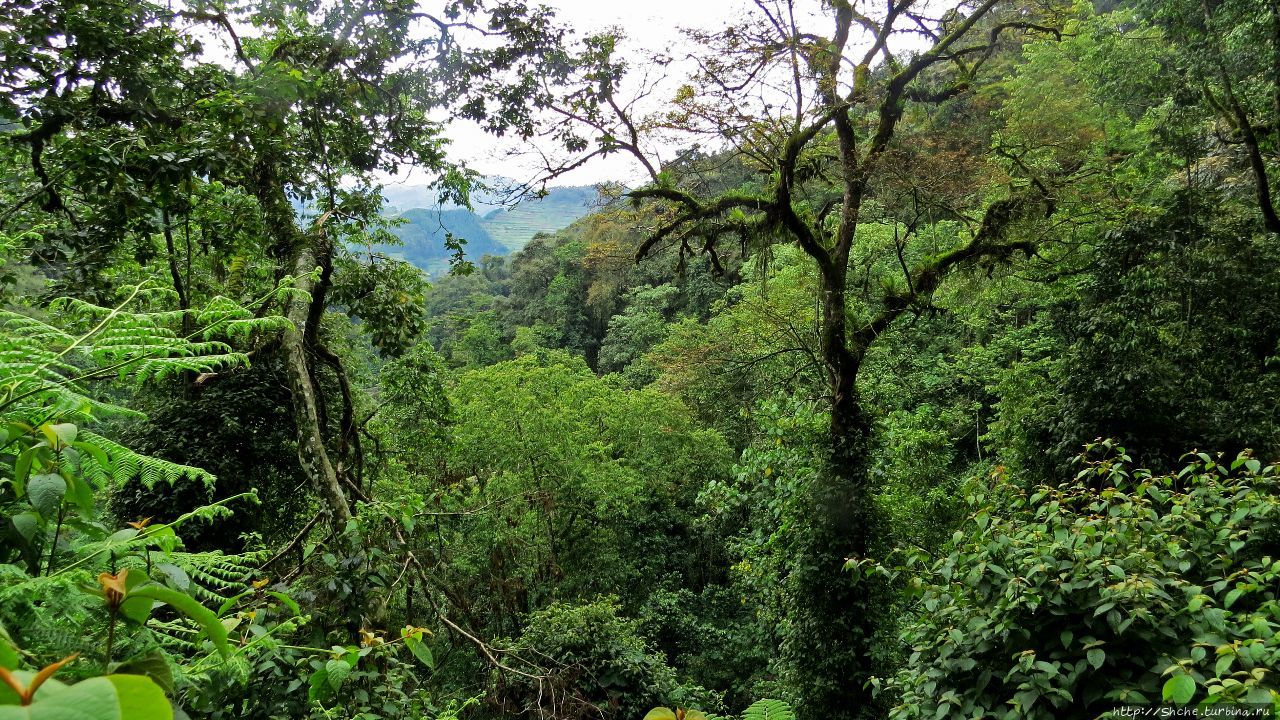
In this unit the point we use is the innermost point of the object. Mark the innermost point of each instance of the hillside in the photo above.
(514, 227)
(423, 235)
(498, 232)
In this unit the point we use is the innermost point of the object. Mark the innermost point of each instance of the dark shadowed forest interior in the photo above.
(468, 359)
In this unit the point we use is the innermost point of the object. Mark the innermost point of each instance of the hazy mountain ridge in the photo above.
(495, 230)
(423, 234)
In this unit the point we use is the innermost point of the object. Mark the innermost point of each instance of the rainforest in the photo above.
(735, 359)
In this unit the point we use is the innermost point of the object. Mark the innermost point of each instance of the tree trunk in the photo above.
(291, 243)
(835, 613)
(311, 451)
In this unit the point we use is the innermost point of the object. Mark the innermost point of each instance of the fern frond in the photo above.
(34, 330)
(127, 465)
(180, 637)
(156, 369)
(769, 710)
(215, 577)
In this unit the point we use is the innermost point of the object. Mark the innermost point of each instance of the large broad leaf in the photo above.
(81, 494)
(96, 453)
(188, 606)
(112, 697)
(318, 685)
(59, 434)
(26, 524)
(22, 469)
(420, 651)
(336, 672)
(93, 699)
(138, 608)
(45, 493)
(153, 665)
(173, 576)
(140, 698)
(1179, 689)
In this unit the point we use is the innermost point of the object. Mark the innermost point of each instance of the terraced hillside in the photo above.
(513, 228)
(423, 235)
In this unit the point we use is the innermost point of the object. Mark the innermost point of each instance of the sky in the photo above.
(648, 24)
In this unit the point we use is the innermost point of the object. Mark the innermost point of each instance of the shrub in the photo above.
(600, 666)
(1119, 587)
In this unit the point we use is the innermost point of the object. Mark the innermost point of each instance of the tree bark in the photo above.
(312, 454)
(290, 243)
(834, 612)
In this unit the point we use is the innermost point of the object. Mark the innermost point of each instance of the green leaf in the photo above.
(188, 606)
(137, 609)
(122, 697)
(95, 452)
(26, 524)
(174, 576)
(45, 493)
(8, 655)
(59, 434)
(1179, 689)
(337, 671)
(153, 665)
(420, 651)
(1259, 696)
(22, 470)
(1096, 656)
(1223, 664)
(81, 494)
(660, 713)
(231, 601)
(93, 699)
(287, 601)
(318, 685)
(140, 698)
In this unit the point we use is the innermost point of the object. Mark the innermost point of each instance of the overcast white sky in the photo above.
(649, 25)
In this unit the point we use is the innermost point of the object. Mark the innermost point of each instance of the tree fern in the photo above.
(759, 710)
(45, 367)
(216, 576)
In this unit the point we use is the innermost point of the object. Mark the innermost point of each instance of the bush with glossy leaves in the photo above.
(1118, 587)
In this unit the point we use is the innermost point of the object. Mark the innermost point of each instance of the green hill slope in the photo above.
(515, 227)
(423, 235)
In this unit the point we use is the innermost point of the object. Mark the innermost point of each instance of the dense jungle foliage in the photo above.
(931, 371)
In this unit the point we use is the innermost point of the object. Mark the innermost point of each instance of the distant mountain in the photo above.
(515, 227)
(423, 235)
(402, 198)
(498, 232)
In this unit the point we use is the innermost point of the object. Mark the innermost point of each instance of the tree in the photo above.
(1231, 54)
(820, 118)
(639, 327)
(145, 149)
